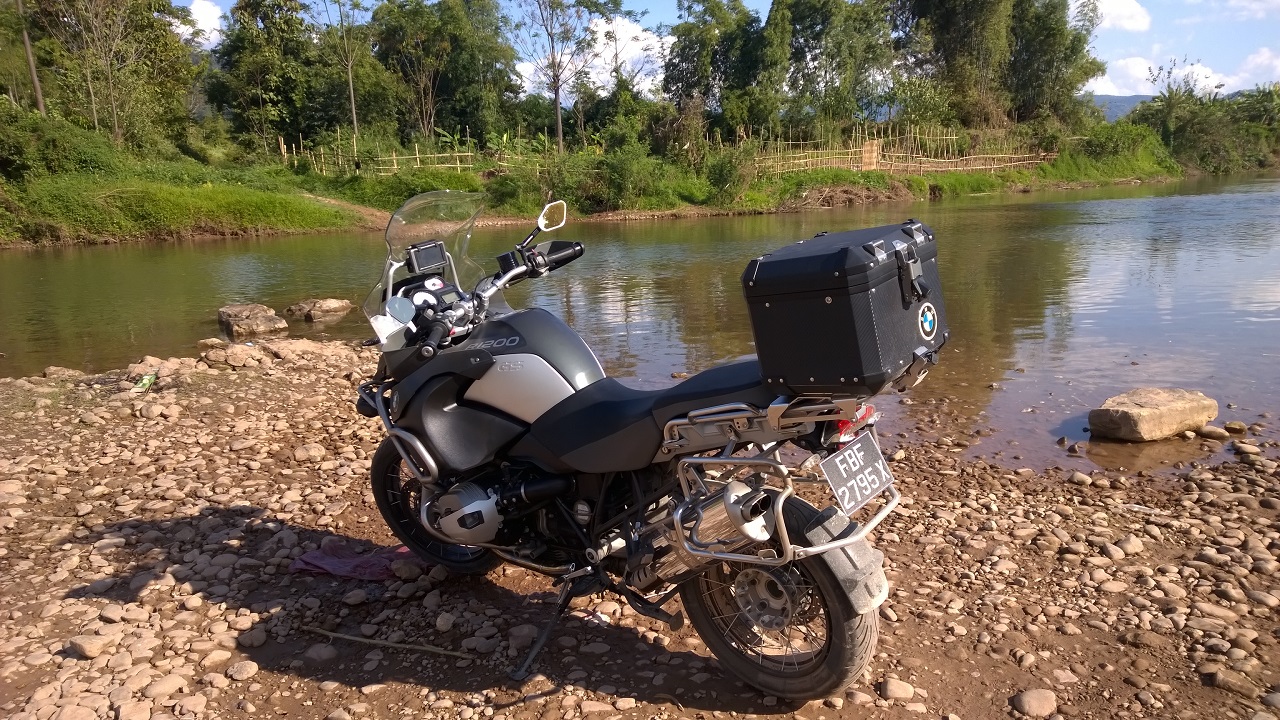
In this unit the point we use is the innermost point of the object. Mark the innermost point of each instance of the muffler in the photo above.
(728, 521)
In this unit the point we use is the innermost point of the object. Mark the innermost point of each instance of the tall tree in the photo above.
(714, 59)
(769, 92)
(31, 59)
(263, 58)
(1051, 61)
(556, 37)
(127, 54)
(477, 84)
(840, 52)
(410, 39)
(350, 42)
(973, 43)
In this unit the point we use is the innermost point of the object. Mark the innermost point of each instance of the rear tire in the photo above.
(849, 639)
(398, 495)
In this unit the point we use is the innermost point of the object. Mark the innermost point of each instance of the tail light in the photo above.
(846, 430)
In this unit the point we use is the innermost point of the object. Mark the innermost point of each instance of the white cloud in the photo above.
(1129, 76)
(621, 41)
(627, 44)
(1130, 15)
(1126, 76)
(208, 17)
(1256, 8)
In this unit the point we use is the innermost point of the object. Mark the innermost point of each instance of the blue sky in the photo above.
(1235, 43)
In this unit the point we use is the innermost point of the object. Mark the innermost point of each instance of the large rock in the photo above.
(249, 319)
(1151, 414)
(323, 310)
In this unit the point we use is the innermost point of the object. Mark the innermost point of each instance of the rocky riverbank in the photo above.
(146, 540)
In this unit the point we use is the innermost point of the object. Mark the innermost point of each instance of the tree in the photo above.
(972, 43)
(839, 50)
(769, 91)
(714, 59)
(410, 39)
(1051, 61)
(477, 85)
(556, 37)
(126, 49)
(350, 43)
(266, 46)
(31, 59)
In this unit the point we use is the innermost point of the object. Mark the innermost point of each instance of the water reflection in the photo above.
(1056, 300)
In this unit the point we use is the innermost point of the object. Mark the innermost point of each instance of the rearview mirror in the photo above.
(553, 216)
(401, 309)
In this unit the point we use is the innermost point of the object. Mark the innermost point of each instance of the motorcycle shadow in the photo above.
(235, 562)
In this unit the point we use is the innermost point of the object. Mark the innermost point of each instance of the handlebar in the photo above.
(438, 330)
(560, 258)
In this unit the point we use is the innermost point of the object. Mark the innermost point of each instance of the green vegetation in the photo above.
(121, 121)
(1208, 132)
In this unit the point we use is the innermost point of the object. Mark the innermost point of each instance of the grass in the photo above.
(63, 184)
(78, 207)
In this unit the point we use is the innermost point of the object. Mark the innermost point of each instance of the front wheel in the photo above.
(399, 496)
(790, 631)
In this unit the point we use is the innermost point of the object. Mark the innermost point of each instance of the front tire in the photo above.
(790, 631)
(398, 496)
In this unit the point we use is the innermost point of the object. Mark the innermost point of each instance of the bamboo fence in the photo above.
(895, 150)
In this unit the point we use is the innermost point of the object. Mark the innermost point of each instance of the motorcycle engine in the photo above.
(468, 513)
(472, 512)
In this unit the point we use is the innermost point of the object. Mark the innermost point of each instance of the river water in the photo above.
(1056, 300)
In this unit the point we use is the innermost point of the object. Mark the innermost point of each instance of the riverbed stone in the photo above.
(250, 319)
(1036, 703)
(320, 310)
(1147, 414)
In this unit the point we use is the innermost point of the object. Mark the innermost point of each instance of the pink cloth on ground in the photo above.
(337, 558)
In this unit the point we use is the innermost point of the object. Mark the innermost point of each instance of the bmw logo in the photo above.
(928, 321)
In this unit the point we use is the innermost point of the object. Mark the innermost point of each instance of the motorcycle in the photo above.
(506, 442)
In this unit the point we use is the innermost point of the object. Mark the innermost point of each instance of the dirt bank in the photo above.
(145, 542)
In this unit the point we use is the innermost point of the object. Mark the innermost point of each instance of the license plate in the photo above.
(858, 472)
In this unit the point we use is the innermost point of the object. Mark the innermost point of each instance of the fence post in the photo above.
(417, 156)
(395, 163)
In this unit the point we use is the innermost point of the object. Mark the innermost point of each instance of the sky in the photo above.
(1232, 43)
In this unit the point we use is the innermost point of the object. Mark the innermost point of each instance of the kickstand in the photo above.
(570, 589)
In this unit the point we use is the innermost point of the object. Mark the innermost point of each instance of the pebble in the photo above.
(242, 670)
(321, 653)
(1038, 703)
(895, 689)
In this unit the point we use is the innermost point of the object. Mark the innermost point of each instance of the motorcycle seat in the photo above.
(609, 427)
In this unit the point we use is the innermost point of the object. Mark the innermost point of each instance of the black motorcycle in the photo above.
(506, 442)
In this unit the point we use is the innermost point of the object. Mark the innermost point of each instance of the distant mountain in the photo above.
(1117, 106)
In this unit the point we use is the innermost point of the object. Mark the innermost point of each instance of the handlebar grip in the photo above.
(429, 346)
(560, 258)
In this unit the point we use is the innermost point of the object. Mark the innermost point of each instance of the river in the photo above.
(1056, 299)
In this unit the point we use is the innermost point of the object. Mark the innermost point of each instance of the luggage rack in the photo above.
(742, 422)
(736, 421)
(698, 494)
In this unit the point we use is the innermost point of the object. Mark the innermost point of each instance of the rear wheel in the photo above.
(399, 496)
(790, 631)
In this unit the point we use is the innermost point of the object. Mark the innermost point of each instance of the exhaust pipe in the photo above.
(728, 521)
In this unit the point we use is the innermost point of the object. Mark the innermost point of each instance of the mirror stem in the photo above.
(530, 237)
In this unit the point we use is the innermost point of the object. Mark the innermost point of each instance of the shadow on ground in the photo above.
(160, 566)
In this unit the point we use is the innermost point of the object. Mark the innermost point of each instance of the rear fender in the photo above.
(859, 566)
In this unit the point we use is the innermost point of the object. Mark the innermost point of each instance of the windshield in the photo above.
(443, 215)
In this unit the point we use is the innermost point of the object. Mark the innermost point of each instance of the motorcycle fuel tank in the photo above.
(539, 362)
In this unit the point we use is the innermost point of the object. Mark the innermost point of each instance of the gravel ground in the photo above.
(145, 542)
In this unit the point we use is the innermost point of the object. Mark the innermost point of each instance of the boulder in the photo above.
(249, 319)
(1151, 414)
(322, 310)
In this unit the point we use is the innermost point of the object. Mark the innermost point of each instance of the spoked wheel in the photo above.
(790, 631)
(399, 497)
